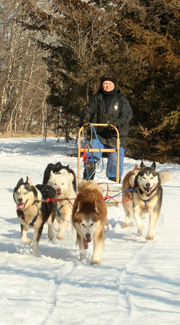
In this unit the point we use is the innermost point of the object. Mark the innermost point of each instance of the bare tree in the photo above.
(23, 86)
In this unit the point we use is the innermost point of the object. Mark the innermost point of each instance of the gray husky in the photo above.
(33, 210)
(146, 196)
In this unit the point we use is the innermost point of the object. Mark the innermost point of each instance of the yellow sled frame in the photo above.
(98, 150)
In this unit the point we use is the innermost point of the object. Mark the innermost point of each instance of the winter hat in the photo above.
(109, 77)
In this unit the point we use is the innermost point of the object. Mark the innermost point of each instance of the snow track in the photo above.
(138, 282)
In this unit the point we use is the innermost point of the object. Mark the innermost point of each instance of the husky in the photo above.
(147, 194)
(89, 218)
(58, 168)
(33, 211)
(128, 184)
(65, 195)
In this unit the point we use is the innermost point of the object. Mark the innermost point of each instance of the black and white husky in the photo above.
(147, 197)
(58, 168)
(33, 210)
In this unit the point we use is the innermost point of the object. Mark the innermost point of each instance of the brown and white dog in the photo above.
(89, 218)
(147, 193)
(128, 184)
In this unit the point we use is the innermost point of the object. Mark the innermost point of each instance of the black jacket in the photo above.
(119, 114)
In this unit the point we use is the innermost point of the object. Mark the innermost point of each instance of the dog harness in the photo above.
(58, 210)
(34, 220)
(146, 201)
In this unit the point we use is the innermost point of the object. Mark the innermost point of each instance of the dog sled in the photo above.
(111, 189)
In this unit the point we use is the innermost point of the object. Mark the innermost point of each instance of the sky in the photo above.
(138, 282)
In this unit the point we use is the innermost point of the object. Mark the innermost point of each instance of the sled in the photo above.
(98, 150)
(114, 188)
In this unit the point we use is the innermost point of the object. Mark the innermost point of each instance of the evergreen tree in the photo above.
(138, 40)
(151, 29)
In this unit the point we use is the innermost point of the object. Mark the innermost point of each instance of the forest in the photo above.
(53, 53)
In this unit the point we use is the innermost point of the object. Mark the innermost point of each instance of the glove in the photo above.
(86, 125)
(110, 127)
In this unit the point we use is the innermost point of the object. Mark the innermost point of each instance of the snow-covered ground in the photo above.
(138, 282)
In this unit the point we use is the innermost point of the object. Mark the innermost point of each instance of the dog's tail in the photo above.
(82, 185)
(165, 176)
(91, 186)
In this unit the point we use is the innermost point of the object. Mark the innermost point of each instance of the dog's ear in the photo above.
(153, 166)
(66, 173)
(131, 180)
(79, 207)
(28, 181)
(142, 166)
(95, 207)
(71, 176)
(51, 173)
(136, 168)
(20, 182)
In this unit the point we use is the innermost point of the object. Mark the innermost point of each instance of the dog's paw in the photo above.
(95, 262)
(59, 236)
(139, 233)
(126, 225)
(140, 226)
(82, 254)
(27, 241)
(149, 237)
(50, 232)
(36, 248)
(56, 225)
(51, 236)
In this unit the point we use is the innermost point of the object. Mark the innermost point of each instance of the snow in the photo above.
(138, 282)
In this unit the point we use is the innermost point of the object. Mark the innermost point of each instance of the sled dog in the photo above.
(128, 184)
(58, 168)
(62, 183)
(147, 197)
(89, 218)
(32, 211)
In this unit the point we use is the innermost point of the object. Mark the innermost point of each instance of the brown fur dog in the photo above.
(89, 218)
(128, 183)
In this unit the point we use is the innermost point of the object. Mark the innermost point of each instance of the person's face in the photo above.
(108, 85)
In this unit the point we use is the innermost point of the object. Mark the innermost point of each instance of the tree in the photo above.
(151, 29)
(81, 40)
(76, 35)
(23, 87)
